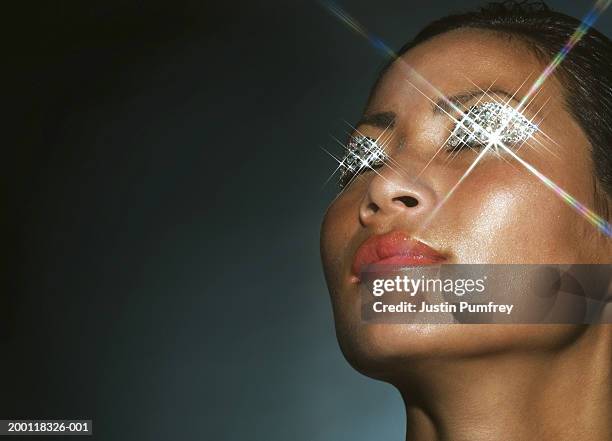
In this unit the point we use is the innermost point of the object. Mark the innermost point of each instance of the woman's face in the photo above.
(500, 213)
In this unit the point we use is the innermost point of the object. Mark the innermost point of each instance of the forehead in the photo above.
(458, 61)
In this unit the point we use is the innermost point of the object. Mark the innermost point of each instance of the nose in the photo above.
(396, 197)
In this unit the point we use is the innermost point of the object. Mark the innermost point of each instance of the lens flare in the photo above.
(587, 22)
(495, 139)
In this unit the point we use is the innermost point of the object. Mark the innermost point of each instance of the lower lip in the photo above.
(404, 260)
(408, 260)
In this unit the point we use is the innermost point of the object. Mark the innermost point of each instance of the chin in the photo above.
(383, 350)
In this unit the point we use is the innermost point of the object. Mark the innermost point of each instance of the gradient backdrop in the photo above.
(166, 193)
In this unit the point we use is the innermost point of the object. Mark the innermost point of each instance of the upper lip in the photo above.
(395, 247)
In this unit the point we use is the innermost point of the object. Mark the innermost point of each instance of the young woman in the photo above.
(482, 382)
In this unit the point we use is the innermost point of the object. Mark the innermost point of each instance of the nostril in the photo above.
(408, 201)
(372, 207)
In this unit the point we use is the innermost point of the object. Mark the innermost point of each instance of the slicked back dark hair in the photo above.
(586, 73)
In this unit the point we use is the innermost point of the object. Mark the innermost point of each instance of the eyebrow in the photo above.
(386, 120)
(382, 120)
(443, 105)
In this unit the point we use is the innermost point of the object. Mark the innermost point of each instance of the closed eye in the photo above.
(362, 154)
(484, 121)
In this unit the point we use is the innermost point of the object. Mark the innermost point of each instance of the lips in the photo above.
(395, 248)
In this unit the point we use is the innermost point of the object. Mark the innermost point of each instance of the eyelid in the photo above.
(362, 153)
(480, 120)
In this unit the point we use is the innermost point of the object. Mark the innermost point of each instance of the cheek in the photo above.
(340, 223)
(513, 220)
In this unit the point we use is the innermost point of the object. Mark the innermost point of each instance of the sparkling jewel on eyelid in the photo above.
(483, 119)
(362, 152)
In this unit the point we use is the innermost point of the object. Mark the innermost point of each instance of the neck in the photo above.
(564, 394)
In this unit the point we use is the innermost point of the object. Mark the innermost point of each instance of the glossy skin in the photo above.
(500, 214)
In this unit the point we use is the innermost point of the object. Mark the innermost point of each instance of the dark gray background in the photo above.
(166, 193)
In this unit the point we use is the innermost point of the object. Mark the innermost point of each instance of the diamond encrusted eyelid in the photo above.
(481, 120)
(362, 153)
(476, 126)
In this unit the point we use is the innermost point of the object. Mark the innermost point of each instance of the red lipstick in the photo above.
(395, 248)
